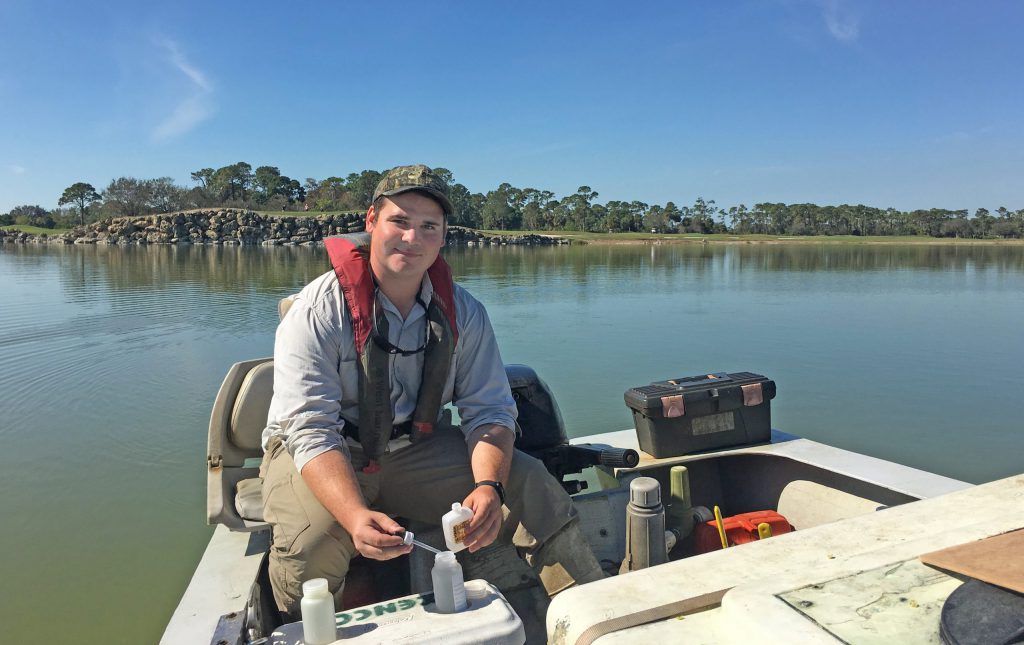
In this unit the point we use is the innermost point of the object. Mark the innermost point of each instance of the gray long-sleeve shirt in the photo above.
(316, 380)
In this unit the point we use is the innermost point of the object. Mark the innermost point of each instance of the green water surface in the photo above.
(110, 358)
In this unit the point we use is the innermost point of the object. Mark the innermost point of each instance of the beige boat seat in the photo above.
(283, 305)
(234, 451)
(234, 489)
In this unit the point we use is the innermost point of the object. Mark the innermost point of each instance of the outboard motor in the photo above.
(543, 432)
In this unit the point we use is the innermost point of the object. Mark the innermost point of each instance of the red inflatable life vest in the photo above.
(349, 256)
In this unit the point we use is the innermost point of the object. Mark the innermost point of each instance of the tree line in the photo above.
(506, 207)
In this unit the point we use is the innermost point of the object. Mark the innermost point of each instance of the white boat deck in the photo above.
(730, 592)
(220, 585)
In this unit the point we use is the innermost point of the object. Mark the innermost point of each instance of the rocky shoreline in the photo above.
(229, 226)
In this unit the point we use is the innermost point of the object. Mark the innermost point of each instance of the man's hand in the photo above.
(331, 478)
(373, 535)
(487, 517)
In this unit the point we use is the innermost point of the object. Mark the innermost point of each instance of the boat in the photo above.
(849, 571)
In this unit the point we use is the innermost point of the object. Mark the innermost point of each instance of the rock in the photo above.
(238, 226)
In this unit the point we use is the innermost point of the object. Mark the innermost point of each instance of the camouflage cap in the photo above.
(416, 177)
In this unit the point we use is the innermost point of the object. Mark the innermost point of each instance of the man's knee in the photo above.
(313, 554)
(307, 542)
(536, 498)
(530, 473)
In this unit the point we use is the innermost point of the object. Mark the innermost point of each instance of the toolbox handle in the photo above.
(716, 377)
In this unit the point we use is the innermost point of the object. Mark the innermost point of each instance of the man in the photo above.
(363, 361)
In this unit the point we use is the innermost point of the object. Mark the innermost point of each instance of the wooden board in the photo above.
(998, 560)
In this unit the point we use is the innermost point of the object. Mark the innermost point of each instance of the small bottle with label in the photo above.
(455, 524)
(449, 588)
(318, 625)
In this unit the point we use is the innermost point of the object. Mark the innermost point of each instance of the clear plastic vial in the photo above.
(455, 523)
(449, 588)
(318, 625)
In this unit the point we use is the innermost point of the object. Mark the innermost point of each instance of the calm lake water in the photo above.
(110, 359)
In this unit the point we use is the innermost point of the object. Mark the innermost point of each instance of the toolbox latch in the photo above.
(752, 394)
(672, 406)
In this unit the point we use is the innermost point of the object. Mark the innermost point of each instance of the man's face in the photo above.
(406, 234)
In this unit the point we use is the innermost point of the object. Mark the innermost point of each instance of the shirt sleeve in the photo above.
(482, 393)
(305, 411)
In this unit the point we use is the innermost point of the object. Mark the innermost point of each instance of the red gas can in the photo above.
(739, 529)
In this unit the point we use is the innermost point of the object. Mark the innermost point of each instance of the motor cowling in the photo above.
(543, 434)
(539, 417)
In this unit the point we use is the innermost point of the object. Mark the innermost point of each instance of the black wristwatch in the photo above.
(497, 486)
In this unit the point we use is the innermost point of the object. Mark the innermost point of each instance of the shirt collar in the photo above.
(426, 293)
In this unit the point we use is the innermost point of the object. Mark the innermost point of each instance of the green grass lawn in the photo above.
(696, 238)
(35, 230)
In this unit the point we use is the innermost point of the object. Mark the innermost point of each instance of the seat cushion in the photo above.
(249, 499)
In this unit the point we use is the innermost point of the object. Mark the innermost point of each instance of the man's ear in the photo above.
(371, 219)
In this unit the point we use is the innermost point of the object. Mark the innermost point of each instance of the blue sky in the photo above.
(904, 104)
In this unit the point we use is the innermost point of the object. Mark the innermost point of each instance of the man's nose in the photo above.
(410, 235)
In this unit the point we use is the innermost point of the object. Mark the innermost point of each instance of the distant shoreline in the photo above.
(876, 240)
(239, 227)
(653, 239)
(250, 228)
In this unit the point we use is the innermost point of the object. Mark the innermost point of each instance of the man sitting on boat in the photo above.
(364, 360)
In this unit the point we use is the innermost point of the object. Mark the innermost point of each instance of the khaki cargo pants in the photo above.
(418, 482)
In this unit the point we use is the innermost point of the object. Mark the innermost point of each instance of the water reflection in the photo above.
(281, 270)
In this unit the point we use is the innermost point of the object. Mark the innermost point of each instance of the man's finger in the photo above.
(382, 553)
(383, 540)
(487, 521)
(484, 535)
(386, 524)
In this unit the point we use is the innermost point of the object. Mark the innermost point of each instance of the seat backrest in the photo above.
(234, 439)
(283, 305)
(249, 411)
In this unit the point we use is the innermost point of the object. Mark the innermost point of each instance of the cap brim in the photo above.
(446, 205)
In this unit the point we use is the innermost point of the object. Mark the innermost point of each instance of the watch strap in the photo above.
(495, 485)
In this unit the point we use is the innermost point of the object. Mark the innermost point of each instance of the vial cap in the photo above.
(445, 556)
(645, 491)
(456, 506)
(314, 587)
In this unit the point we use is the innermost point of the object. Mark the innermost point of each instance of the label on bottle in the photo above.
(459, 531)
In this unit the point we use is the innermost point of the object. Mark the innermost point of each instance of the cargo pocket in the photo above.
(285, 512)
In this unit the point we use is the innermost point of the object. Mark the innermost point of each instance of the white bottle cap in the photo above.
(476, 590)
(315, 587)
(445, 556)
(456, 506)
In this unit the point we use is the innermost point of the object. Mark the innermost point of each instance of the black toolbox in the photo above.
(694, 413)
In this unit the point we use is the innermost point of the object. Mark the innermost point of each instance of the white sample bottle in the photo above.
(449, 588)
(455, 523)
(318, 626)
